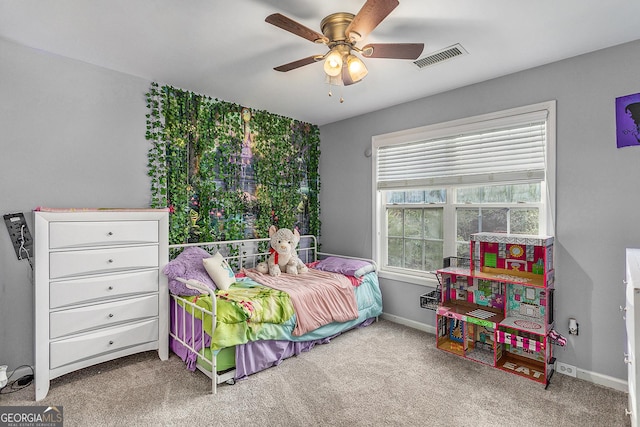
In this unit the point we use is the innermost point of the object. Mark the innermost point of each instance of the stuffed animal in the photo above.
(283, 256)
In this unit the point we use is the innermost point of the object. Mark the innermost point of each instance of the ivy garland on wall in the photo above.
(227, 172)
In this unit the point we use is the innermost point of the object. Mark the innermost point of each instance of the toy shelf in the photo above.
(458, 271)
(524, 367)
(468, 338)
(503, 276)
(533, 326)
(498, 309)
(462, 311)
(453, 265)
(531, 344)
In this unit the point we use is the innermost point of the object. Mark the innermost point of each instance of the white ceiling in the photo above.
(226, 50)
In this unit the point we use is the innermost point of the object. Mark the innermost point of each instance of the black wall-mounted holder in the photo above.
(19, 234)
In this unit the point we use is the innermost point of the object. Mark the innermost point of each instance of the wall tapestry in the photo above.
(628, 120)
(227, 172)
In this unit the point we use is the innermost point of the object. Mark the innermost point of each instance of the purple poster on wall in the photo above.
(628, 120)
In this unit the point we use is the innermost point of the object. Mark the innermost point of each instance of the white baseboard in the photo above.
(603, 380)
(410, 323)
(593, 377)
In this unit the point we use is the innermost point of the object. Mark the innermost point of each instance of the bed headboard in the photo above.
(249, 252)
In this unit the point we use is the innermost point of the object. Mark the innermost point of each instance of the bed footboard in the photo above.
(187, 331)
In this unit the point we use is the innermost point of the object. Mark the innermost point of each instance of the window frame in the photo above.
(548, 190)
(419, 207)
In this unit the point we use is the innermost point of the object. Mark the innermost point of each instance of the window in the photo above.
(437, 185)
(414, 229)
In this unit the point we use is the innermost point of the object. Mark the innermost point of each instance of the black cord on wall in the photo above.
(18, 384)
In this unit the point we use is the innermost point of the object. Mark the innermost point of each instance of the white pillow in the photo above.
(219, 271)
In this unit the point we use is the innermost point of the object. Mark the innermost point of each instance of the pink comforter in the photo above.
(318, 297)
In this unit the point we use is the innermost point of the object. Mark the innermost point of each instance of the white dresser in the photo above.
(99, 290)
(632, 320)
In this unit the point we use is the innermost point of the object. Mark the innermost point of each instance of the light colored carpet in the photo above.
(382, 375)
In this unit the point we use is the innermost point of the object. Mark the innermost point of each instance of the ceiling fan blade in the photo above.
(393, 50)
(296, 28)
(299, 63)
(372, 13)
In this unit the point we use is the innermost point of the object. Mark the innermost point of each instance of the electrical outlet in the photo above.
(566, 369)
(19, 235)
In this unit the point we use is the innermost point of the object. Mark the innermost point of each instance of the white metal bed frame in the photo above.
(216, 378)
(239, 254)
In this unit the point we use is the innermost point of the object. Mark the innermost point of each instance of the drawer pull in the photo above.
(110, 288)
(110, 342)
(110, 233)
(110, 261)
(110, 314)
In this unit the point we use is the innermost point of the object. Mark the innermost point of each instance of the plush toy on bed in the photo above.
(283, 256)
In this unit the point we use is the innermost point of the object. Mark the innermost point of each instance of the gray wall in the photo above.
(597, 190)
(72, 135)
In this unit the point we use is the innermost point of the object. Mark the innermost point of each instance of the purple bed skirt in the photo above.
(251, 357)
(255, 356)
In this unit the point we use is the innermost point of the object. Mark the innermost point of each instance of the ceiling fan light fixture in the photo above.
(341, 32)
(356, 68)
(333, 80)
(333, 63)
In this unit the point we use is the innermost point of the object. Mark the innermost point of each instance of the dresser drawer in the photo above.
(96, 233)
(91, 289)
(82, 319)
(104, 341)
(76, 263)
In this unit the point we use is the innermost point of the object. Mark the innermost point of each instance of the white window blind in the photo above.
(508, 149)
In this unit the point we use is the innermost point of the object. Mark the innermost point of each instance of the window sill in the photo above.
(428, 280)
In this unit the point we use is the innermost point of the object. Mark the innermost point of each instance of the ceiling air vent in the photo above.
(440, 56)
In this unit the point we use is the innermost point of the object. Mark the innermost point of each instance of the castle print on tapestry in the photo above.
(227, 172)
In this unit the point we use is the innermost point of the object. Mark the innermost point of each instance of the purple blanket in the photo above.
(193, 336)
(251, 357)
(256, 356)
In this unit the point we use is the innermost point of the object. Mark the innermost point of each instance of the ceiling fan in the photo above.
(341, 32)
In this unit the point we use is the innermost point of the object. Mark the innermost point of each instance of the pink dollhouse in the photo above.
(499, 310)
